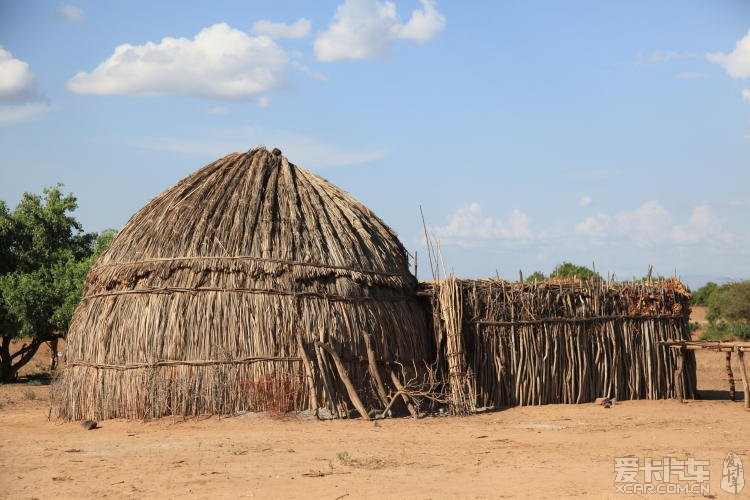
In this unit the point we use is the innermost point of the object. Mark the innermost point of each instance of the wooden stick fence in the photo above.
(560, 342)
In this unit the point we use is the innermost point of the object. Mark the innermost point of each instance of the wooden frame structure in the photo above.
(682, 347)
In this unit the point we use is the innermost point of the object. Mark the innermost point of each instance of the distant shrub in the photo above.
(30, 395)
(727, 331)
(570, 270)
(536, 276)
(701, 295)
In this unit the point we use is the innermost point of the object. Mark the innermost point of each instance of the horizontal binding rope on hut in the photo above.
(262, 291)
(566, 342)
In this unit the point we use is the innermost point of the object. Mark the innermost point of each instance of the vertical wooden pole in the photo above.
(730, 376)
(374, 372)
(308, 375)
(327, 385)
(679, 394)
(745, 383)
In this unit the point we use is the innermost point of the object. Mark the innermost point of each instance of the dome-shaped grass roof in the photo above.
(218, 288)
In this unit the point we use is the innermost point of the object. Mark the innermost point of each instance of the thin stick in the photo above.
(373, 366)
(745, 383)
(308, 375)
(433, 265)
(730, 376)
(332, 399)
(353, 396)
(404, 396)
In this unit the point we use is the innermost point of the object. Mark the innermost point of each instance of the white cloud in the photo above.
(363, 29)
(651, 223)
(298, 29)
(468, 222)
(585, 201)
(646, 223)
(17, 82)
(743, 202)
(22, 112)
(20, 100)
(737, 62)
(746, 95)
(703, 225)
(70, 13)
(423, 24)
(218, 110)
(305, 151)
(220, 62)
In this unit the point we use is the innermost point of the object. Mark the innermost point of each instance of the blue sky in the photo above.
(530, 132)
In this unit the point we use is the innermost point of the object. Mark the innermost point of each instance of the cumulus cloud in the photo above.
(363, 29)
(220, 62)
(19, 98)
(646, 223)
(468, 222)
(22, 112)
(703, 225)
(298, 29)
(70, 13)
(17, 82)
(651, 223)
(737, 62)
(585, 201)
(746, 95)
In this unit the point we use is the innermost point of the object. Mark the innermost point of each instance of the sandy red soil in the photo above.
(542, 452)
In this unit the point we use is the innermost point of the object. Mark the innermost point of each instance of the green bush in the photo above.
(727, 331)
(701, 295)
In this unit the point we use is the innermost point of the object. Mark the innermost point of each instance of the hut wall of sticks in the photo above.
(507, 344)
(252, 284)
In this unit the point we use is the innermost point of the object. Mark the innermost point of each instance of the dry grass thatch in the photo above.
(229, 278)
(509, 344)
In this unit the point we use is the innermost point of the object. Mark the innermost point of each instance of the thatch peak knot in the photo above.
(276, 152)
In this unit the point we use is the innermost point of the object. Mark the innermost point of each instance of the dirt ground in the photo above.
(541, 452)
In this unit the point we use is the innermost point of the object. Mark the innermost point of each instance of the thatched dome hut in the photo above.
(211, 298)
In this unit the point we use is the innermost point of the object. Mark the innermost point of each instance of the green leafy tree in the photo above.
(569, 270)
(45, 255)
(700, 296)
(729, 311)
(536, 276)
